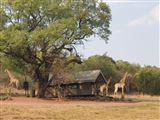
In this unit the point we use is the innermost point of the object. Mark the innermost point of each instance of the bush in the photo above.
(148, 80)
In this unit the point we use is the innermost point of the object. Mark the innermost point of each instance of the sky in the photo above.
(135, 33)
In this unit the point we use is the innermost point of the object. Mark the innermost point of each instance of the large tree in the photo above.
(37, 32)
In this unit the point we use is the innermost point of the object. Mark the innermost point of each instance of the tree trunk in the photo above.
(42, 76)
(42, 87)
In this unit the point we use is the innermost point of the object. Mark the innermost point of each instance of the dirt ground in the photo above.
(43, 102)
(23, 108)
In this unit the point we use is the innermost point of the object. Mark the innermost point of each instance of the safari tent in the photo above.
(85, 83)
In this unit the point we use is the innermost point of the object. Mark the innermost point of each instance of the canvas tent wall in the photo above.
(85, 83)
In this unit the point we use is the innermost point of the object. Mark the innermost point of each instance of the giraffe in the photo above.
(104, 87)
(13, 81)
(120, 84)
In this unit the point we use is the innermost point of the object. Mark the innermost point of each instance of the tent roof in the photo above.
(86, 76)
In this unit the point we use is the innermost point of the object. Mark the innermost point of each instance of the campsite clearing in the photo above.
(21, 108)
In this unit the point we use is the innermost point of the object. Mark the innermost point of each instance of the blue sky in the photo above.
(135, 33)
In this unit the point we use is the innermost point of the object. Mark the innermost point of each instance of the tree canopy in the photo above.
(148, 80)
(37, 32)
(126, 66)
(104, 63)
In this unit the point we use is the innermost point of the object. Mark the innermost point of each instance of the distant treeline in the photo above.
(144, 80)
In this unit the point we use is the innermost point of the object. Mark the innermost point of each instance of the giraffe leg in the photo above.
(106, 90)
(102, 92)
(17, 85)
(122, 90)
(115, 91)
(122, 93)
(10, 84)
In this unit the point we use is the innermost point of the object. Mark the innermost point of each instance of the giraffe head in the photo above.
(126, 74)
(6, 70)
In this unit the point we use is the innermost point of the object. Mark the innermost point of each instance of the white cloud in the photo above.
(149, 19)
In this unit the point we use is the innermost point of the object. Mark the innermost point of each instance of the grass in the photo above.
(87, 111)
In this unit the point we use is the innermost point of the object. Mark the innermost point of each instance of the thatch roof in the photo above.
(86, 76)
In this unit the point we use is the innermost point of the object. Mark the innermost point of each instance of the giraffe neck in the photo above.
(10, 75)
(124, 78)
(108, 81)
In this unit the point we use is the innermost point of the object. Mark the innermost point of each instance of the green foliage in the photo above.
(17, 68)
(12, 64)
(36, 32)
(126, 66)
(132, 69)
(148, 80)
(104, 63)
(3, 19)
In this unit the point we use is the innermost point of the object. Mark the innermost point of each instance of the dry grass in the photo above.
(79, 110)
